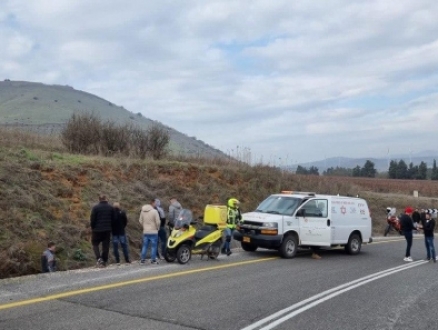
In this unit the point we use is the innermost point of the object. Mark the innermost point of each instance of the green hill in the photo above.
(45, 108)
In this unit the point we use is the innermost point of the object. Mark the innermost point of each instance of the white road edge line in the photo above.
(332, 292)
(330, 296)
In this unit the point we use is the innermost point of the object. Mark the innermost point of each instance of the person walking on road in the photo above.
(407, 227)
(150, 220)
(428, 227)
(119, 235)
(174, 210)
(233, 218)
(101, 219)
(162, 234)
(48, 261)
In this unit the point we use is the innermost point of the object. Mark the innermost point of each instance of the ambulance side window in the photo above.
(322, 205)
(316, 208)
(312, 209)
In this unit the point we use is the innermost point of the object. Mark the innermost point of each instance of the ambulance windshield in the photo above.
(279, 205)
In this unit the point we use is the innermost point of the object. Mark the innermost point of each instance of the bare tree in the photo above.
(138, 142)
(85, 133)
(158, 139)
(114, 138)
(81, 134)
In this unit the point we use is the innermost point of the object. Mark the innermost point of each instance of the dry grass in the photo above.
(11, 137)
(47, 195)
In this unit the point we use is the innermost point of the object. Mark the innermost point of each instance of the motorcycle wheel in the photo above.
(184, 254)
(387, 229)
(170, 257)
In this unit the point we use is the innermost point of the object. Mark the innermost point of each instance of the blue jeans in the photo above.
(162, 237)
(430, 247)
(153, 239)
(228, 235)
(124, 243)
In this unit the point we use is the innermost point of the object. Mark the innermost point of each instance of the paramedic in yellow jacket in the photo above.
(233, 219)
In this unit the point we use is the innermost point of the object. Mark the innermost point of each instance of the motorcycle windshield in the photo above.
(184, 219)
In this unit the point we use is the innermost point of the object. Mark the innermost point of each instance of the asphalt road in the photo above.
(373, 290)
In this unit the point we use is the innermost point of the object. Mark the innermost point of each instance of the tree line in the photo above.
(86, 133)
(397, 170)
(368, 170)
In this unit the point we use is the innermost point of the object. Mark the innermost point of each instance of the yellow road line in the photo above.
(126, 283)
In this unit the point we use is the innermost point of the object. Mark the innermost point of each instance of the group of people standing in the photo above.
(414, 220)
(153, 220)
(107, 221)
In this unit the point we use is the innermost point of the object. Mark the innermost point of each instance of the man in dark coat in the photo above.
(407, 227)
(101, 219)
(119, 235)
(428, 226)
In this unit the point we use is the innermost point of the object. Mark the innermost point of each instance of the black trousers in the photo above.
(408, 236)
(103, 237)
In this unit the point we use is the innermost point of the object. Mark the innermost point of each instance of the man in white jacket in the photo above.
(150, 220)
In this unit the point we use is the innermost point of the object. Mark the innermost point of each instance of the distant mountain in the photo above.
(46, 108)
(380, 164)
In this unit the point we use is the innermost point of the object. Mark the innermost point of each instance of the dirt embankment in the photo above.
(48, 195)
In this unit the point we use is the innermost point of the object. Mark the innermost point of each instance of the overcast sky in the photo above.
(296, 80)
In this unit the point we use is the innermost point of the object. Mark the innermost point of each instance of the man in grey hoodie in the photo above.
(150, 220)
(174, 210)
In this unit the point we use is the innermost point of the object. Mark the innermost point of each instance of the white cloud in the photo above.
(285, 77)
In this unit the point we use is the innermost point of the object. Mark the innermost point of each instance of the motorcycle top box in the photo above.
(186, 240)
(216, 215)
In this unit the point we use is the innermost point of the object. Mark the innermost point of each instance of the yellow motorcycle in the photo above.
(185, 240)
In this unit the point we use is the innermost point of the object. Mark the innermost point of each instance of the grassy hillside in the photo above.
(45, 108)
(46, 194)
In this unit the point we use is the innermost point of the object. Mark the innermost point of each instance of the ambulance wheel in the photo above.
(184, 254)
(170, 256)
(248, 247)
(354, 244)
(289, 246)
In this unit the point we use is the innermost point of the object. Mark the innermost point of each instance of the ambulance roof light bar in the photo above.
(291, 192)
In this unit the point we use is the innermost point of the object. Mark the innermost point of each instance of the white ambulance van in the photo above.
(290, 220)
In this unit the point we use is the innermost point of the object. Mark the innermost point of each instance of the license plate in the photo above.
(246, 239)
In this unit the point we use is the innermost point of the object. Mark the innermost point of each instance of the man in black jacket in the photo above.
(101, 219)
(407, 227)
(428, 226)
(416, 217)
(119, 235)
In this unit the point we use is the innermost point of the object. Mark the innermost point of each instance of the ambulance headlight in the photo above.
(270, 225)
